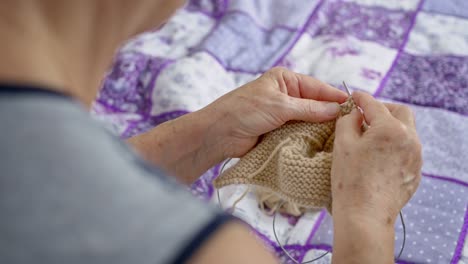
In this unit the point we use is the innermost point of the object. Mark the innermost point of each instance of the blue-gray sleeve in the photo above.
(71, 193)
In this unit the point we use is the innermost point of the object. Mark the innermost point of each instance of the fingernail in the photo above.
(332, 109)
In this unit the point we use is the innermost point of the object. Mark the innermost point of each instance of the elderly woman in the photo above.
(72, 193)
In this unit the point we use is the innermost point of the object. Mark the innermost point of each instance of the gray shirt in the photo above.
(70, 192)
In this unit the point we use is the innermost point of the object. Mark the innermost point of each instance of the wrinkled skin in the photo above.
(379, 168)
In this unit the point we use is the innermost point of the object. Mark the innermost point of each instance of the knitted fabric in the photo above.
(290, 167)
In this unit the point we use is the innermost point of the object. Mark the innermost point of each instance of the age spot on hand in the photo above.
(389, 221)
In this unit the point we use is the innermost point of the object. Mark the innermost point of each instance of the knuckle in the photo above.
(392, 105)
(401, 133)
(412, 147)
(395, 133)
(275, 72)
(279, 76)
(405, 109)
(397, 129)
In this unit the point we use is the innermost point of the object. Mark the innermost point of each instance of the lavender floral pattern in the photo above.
(384, 26)
(214, 8)
(203, 188)
(128, 86)
(436, 81)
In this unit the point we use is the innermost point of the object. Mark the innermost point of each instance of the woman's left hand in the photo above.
(268, 102)
(229, 127)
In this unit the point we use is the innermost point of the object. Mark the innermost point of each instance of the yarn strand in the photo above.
(264, 165)
(287, 253)
(273, 153)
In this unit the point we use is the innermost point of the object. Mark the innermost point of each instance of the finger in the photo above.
(372, 109)
(303, 86)
(402, 113)
(314, 89)
(349, 125)
(311, 110)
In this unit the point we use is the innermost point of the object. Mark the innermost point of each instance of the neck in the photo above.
(53, 47)
(67, 46)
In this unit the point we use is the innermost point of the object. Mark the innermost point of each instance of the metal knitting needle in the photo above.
(365, 126)
(346, 87)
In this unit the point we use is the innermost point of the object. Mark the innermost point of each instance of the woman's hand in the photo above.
(374, 174)
(268, 102)
(229, 127)
(376, 171)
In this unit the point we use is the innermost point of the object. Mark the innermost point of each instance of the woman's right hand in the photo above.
(376, 172)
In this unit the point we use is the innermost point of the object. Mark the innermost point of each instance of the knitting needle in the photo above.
(364, 125)
(346, 87)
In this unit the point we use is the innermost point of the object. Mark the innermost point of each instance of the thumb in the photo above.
(313, 111)
(349, 125)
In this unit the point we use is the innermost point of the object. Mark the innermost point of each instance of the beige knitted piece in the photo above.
(290, 167)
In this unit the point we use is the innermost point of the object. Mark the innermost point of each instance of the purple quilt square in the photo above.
(128, 87)
(384, 26)
(457, 8)
(241, 45)
(438, 81)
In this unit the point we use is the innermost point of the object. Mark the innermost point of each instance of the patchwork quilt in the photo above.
(408, 51)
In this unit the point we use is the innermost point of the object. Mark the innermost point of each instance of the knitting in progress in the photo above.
(290, 167)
